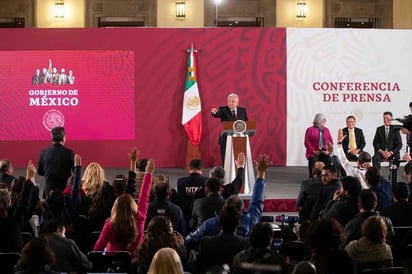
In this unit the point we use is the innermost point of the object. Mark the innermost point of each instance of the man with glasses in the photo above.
(330, 183)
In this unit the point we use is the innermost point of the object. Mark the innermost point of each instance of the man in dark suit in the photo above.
(387, 141)
(207, 207)
(221, 249)
(56, 162)
(355, 141)
(231, 112)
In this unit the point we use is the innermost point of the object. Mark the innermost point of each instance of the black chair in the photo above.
(8, 261)
(388, 270)
(26, 237)
(110, 262)
(93, 237)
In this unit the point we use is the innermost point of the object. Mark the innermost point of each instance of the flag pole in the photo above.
(192, 151)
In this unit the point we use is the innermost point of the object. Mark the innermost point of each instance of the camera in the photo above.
(287, 219)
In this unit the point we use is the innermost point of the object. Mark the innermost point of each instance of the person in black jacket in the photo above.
(56, 162)
(164, 207)
(230, 112)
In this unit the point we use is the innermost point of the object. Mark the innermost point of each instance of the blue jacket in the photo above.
(248, 219)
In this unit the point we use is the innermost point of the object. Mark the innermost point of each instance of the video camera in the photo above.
(287, 219)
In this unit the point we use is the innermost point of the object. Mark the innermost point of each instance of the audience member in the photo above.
(408, 176)
(364, 161)
(118, 184)
(141, 170)
(344, 205)
(36, 257)
(222, 248)
(248, 218)
(207, 207)
(166, 261)
(56, 162)
(124, 229)
(163, 206)
(304, 267)
(99, 196)
(400, 212)
(68, 257)
(297, 250)
(387, 141)
(317, 138)
(6, 173)
(355, 143)
(325, 239)
(187, 186)
(330, 184)
(367, 204)
(235, 186)
(260, 252)
(371, 251)
(382, 188)
(159, 234)
(13, 217)
(309, 192)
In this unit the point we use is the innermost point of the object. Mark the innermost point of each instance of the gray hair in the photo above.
(233, 95)
(318, 118)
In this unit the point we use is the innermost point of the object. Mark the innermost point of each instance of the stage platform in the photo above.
(282, 183)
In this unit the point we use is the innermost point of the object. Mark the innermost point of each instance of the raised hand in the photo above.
(30, 171)
(261, 165)
(150, 167)
(241, 159)
(77, 160)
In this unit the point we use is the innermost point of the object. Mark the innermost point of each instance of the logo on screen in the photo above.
(53, 75)
(53, 118)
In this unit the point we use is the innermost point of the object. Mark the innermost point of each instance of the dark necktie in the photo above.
(234, 114)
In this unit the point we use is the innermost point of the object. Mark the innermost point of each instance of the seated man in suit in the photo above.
(355, 143)
(230, 112)
(387, 141)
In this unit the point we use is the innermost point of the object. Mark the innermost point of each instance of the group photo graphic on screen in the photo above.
(83, 91)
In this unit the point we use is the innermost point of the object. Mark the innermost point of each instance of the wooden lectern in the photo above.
(236, 143)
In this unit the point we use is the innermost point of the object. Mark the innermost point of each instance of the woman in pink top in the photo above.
(124, 230)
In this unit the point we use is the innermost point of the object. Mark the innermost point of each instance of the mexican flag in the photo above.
(191, 115)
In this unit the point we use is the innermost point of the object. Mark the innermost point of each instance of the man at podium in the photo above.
(230, 112)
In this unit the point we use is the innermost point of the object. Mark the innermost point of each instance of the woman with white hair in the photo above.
(317, 139)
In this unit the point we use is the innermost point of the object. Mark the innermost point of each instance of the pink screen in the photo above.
(89, 92)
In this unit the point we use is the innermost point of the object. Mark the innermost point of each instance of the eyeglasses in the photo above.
(326, 175)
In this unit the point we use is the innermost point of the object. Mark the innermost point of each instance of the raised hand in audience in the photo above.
(150, 167)
(30, 171)
(261, 165)
(241, 159)
(133, 155)
(77, 160)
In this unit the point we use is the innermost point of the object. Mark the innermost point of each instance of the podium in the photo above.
(238, 133)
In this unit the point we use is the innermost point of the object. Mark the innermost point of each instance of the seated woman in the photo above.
(371, 251)
(125, 228)
(159, 234)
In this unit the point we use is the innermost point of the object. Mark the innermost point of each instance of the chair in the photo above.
(110, 262)
(26, 237)
(93, 237)
(388, 270)
(8, 261)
